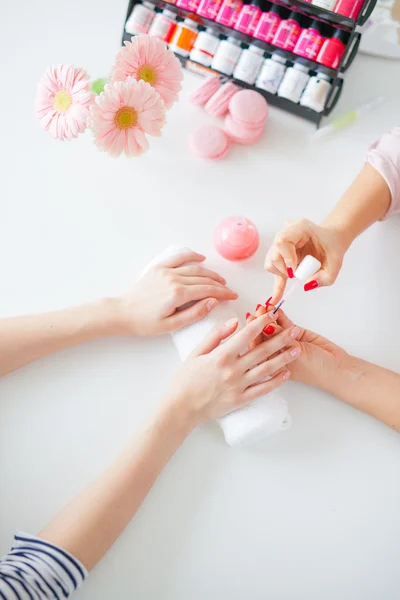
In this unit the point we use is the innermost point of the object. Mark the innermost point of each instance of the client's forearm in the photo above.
(370, 388)
(27, 338)
(366, 201)
(90, 523)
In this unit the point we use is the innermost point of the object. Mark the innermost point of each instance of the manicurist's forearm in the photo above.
(90, 523)
(27, 338)
(366, 201)
(370, 388)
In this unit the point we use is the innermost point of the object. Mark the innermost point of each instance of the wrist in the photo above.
(176, 412)
(343, 231)
(115, 317)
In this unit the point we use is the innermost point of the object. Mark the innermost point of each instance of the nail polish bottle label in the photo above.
(162, 27)
(349, 8)
(140, 19)
(248, 67)
(183, 39)
(229, 13)
(191, 5)
(204, 48)
(293, 84)
(248, 19)
(316, 93)
(309, 44)
(271, 75)
(331, 53)
(267, 27)
(226, 57)
(327, 4)
(209, 9)
(287, 35)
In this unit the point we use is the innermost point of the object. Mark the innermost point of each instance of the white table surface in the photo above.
(312, 513)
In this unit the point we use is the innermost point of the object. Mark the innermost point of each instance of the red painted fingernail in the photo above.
(269, 330)
(258, 306)
(268, 301)
(290, 273)
(311, 285)
(247, 315)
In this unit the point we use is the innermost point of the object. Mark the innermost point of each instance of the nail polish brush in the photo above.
(306, 269)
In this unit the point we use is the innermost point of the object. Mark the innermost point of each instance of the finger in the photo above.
(255, 391)
(198, 271)
(190, 315)
(248, 334)
(249, 319)
(181, 258)
(325, 276)
(199, 281)
(192, 293)
(288, 253)
(283, 320)
(215, 337)
(279, 289)
(260, 310)
(269, 367)
(269, 347)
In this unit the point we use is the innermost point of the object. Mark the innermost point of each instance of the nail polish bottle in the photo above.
(295, 80)
(205, 46)
(163, 25)
(140, 18)
(191, 5)
(272, 72)
(229, 12)
(269, 23)
(209, 9)
(349, 8)
(327, 4)
(227, 55)
(310, 41)
(249, 64)
(183, 37)
(288, 32)
(332, 50)
(249, 16)
(316, 91)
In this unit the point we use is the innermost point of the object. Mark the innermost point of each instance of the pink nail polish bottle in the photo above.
(269, 23)
(288, 32)
(229, 12)
(332, 50)
(310, 41)
(209, 9)
(348, 8)
(191, 5)
(249, 16)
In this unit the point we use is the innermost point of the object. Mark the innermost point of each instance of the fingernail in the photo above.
(290, 272)
(295, 352)
(311, 285)
(258, 306)
(267, 302)
(211, 304)
(294, 332)
(269, 329)
(285, 375)
(247, 315)
(231, 322)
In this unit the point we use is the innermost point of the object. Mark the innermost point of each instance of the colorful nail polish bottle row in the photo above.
(295, 33)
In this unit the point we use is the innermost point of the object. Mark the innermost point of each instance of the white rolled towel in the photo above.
(259, 419)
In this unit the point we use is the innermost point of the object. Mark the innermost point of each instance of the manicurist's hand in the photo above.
(293, 243)
(151, 307)
(217, 379)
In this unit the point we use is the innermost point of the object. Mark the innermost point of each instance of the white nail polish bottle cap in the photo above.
(306, 269)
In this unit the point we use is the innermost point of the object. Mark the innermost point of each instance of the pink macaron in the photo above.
(240, 133)
(207, 89)
(211, 142)
(249, 108)
(218, 104)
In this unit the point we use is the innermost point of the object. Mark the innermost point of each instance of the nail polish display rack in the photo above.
(350, 26)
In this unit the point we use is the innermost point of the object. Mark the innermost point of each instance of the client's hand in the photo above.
(151, 307)
(216, 379)
(319, 360)
(293, 243)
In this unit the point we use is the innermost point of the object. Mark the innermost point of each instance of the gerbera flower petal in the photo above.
(124, 114)
(147, 58)
(63, 100)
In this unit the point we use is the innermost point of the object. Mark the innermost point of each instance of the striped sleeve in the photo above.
(35, 569)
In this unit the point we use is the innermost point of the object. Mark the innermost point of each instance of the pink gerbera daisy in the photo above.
(63, 100)
(123, 114)
(147, 58)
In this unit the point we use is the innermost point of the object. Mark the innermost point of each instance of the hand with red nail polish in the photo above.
(311, 285)
(151, 308)
(294, 242)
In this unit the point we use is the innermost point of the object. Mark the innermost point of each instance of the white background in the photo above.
(312, 513)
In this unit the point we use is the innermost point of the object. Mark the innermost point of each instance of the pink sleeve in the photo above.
(384, 156)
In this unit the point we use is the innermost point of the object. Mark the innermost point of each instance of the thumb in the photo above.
(215, 337)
